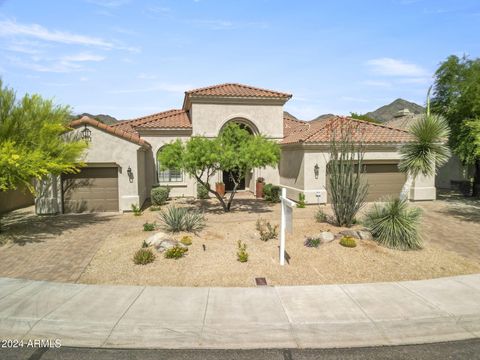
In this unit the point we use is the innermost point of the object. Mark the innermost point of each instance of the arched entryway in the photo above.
(227, 175)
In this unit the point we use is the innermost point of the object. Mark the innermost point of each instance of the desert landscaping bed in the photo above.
(211, 259)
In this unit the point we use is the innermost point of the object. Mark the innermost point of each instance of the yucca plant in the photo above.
(176, 219)
(428, 151)
(394, 224)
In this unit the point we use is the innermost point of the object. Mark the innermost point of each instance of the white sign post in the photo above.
(286, 222)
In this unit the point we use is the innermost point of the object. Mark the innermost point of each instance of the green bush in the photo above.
(175, 252)
(143, 256)
(312, 242)
(395, 225)
(301, 201)
(242, 254)
(159, 195)
(266, 230)
(136, 210)
(186, 240)
(202, 192)
(149, 226)
(176, 219)
(348, 241)
(271, 193)
(320, 216)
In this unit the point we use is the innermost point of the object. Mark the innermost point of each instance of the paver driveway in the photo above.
(56, 248)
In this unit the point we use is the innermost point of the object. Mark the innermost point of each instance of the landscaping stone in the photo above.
(365, 235)
(352, 233)
(326, 236)
(168, 244)
(157, 238)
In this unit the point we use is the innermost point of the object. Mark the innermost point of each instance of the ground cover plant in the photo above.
(149, 226)
(175, 252)
(312, 241)
(143, 256)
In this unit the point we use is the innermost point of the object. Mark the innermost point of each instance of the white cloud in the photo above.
(394, 67)
(9, 28)
(81, 57)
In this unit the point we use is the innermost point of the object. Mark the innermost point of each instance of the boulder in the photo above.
(326, 236)
(156, 238)
(365, 235)
(352, 233)
(168, 244)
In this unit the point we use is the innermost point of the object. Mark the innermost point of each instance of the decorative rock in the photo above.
(365, 235)
(156, 239)
(352, 233)
(168, 244)
(326, 236)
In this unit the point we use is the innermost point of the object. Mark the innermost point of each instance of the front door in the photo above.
(229, 184)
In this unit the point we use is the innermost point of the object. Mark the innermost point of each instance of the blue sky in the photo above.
(130, 58)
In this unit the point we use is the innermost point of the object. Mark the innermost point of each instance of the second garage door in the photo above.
(383, 180)
(93, 189)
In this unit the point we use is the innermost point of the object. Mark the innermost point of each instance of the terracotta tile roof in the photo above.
(171, 119)
(237, 90)
(321, 132)
(290, 124)
(114, 130)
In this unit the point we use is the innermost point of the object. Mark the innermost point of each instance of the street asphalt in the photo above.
(457, 350)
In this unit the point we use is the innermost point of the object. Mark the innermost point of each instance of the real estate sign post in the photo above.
(285, 223)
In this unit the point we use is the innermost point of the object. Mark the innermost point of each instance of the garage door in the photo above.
(93, 189)
(383, 180)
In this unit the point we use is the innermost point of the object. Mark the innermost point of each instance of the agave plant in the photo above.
(394, 224)
(428, 151)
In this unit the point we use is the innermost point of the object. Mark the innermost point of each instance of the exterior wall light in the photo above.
(316, 169)
(130, 174)
(87, 134)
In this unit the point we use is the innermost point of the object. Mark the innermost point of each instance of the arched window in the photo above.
(168, 175)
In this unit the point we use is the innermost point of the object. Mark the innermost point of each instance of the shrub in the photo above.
(312, 242)
(136, 210)
(271, 193)
(176, 219)
(242, 254)
(348, 241)
(301, 201)
(395, 225)
(143, 256)
(186, 240)
(149, 226)
(175, 252)
(202, 192)
(266, 230)
(159, 195)
(193, 221)
(320, 216)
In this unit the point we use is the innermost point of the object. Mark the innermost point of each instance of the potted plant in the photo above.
(220, 188)
(259, 187)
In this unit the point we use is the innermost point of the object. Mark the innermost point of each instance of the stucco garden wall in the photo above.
(453, 170)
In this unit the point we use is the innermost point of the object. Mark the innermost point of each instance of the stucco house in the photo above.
(121, 166)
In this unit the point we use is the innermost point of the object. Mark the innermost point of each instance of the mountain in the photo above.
(387, 112)
(106, 119)
(323, 117)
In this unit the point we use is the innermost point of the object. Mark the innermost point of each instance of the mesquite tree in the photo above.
(347, 188)
(235, 150)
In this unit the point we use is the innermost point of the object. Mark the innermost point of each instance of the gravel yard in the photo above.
(330, 263)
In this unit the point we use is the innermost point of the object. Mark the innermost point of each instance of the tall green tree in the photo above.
(457, 97)
(33, 140)
(235, 150)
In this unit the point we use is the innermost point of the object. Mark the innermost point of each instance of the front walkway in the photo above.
(263, 317)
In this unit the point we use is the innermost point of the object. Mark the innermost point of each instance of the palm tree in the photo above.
(428, 152)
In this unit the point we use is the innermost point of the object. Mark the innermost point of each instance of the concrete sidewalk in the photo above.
(269, 317)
